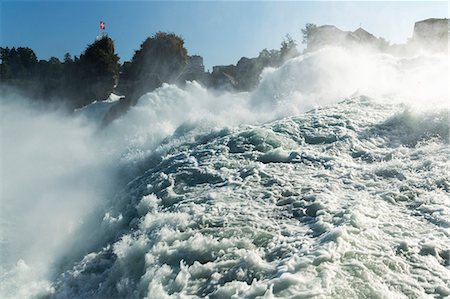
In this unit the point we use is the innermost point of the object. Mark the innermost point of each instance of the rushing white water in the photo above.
(196, 194)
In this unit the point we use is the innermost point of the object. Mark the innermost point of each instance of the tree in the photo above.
(95, 74)
(48, 74)
(288, 48)
(269, 58)
(5, 71)
(161, 58)
(17, 63)
(80, 81)
(307, 32)
(4, 54)
(54, 68)
(27, 57)
(68, 58)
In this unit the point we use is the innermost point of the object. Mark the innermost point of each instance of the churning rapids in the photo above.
(330, 180)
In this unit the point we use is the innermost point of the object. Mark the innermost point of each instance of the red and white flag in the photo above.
(102, 25)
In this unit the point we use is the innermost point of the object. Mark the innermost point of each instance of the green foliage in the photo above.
(161, 58)
(269, 58)
(307, 32)
(288, 48)
(248, 71)
(79, 81)
(27, 57)
(17, 64)
(99, 60)
(68, 58)
(94, 75)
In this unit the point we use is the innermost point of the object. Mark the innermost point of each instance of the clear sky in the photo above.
(221, 32)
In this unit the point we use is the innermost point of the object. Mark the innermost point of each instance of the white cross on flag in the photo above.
(102, 25)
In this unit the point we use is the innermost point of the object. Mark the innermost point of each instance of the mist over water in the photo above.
(330, 177)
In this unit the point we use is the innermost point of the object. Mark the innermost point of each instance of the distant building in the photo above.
(325, 35)
(432, 33)
(328, 35)
(248, 71)
(195, 64)
(195, 70)
(363, 36)
(224, 76)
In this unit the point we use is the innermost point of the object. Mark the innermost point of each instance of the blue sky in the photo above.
(221, 32)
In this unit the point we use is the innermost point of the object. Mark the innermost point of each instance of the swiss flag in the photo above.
(102, 25)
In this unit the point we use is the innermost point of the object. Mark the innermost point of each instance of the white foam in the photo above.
(347, 200)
